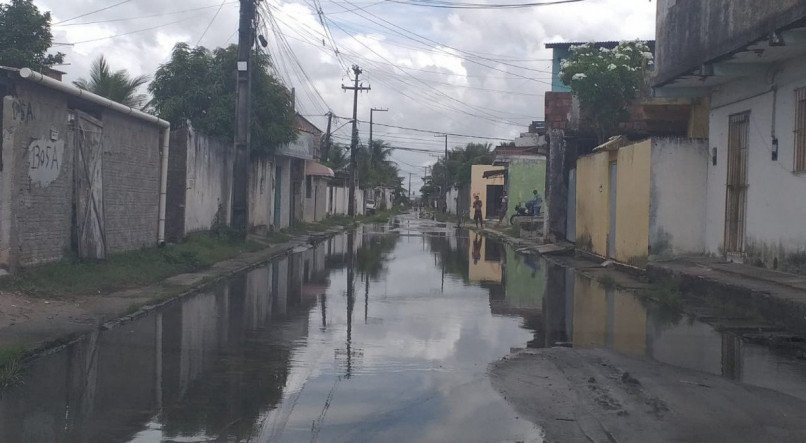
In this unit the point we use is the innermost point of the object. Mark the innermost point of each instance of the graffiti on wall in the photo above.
(45, 159)
(22, 111)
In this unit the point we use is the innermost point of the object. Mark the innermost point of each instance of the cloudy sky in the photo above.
(464, 71)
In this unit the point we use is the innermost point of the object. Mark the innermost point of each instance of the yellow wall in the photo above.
(632, 203)
(592, 197)
(478, 184)
(590, 314)
(481, 270)
(593, 327)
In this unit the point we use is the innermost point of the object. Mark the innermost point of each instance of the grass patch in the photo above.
(666, 294)
(125, 270)
(10, 366)
(607, 281)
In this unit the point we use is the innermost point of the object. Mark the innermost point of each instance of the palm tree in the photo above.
(117, 86)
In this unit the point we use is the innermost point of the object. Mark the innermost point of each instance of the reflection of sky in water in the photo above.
(418, 363)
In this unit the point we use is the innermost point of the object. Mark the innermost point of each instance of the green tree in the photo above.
(197, 84)
(457, 168)
(375, 167)
(337, 157)
(25, 36)
(118, 86)
(606, 81)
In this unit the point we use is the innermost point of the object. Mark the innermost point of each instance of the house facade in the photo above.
(80, 174)
(745, 68)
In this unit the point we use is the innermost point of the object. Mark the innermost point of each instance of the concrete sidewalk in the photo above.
(773, 294)
(41, 325)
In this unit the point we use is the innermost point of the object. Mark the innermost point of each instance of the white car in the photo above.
(369, 207)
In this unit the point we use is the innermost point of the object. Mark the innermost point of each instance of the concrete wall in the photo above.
(691, 32)
(593, 202)
(524, 176)
(261, 194)
(37, 177)
(338, 198)
(203, 177)
(677, 196)
(282, 178)
(316, 204)
(775, 211)
(131, 174)
(478, 184)
(632, 203)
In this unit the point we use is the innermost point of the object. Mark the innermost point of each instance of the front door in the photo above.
(736, 194)
(88, 216)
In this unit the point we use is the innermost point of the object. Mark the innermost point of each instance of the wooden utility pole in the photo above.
(354, 142)
(240, 166)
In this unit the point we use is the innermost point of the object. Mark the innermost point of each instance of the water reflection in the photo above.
(278, 354)
(565, 308)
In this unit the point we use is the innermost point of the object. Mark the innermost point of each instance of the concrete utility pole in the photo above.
(445, 189)
(370, 123)
(240, 166)
(409, 187)
(326, 144)
(354, 142)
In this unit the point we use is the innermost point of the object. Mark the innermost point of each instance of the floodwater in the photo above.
(394, 347)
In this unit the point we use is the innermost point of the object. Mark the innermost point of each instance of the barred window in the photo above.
(800, 130)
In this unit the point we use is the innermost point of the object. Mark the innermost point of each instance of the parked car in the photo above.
(369, 207)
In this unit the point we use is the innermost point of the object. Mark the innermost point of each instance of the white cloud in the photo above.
(419, 99)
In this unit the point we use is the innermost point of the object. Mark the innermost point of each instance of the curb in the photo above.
(57, 344)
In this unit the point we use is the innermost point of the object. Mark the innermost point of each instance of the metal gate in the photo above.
(736, 193)
(88, 225)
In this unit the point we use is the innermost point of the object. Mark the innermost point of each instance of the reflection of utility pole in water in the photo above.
(350, 299)
(366, 297)
(323, 307)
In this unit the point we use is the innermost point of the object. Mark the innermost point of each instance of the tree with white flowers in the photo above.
(605, 81)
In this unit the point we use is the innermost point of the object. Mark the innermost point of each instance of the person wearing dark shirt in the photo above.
(477, 204)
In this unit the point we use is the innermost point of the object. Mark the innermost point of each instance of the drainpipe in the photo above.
(165, 127)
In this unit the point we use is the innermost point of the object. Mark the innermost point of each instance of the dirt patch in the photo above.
(600, 396)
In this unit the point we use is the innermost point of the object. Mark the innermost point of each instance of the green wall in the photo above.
(525, 280)
(523, 176)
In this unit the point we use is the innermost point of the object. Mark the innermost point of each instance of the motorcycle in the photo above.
(520, 211)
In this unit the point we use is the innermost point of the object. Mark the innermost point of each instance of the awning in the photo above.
(317, 169)
(494, 173)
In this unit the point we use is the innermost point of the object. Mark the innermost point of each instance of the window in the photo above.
(309, 186)
(800, 130)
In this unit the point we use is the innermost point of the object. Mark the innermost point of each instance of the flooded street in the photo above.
(396, 347)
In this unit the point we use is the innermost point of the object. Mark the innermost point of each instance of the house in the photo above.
(489, 188)
(300, 181)
(742, 65)
(338, 195)
(81, 174)
(524, 172)
(631, 204)
(568, 136)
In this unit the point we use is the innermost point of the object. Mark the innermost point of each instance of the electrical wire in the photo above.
(125, 19)
(91, 12)
(134, 32)
(211, 22)
(459, 5)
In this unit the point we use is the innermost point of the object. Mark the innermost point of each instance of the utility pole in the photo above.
(354, 142)
(326, 150)
(370, 123)
(240, 165)
(409, 187)
(447, 180)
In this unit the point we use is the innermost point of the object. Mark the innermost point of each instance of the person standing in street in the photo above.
(477, 217)
(502, 208)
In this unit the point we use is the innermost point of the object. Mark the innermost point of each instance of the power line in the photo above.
(211, 22)
(457, 5)
(134, 32)
(93, 12)
(125, 19)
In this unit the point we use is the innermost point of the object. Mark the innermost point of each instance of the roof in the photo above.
(604, 44)
(305, 125)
